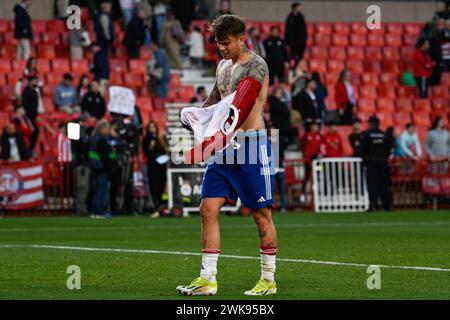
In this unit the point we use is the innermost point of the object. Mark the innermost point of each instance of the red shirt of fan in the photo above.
(333, 145)
(312, 144)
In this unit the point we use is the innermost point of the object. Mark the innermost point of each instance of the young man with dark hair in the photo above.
(200, 96)
(243, 75)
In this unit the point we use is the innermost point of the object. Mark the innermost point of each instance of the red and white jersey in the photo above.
(63, 147)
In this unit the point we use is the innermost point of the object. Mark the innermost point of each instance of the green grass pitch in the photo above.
(419, 239)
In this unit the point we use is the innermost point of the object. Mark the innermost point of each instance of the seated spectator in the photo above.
(13, 146)
(355, 138)
(100, 67)
(158, 70)
(423, 67)
(201, 95)
(321, 93)
(65, 95)
(409, 143)
(135, 34)
(23, 125)
(93, 102)
(254, 42)
(83, 87)
(196, 48)
(345, 98)
(332, 142)
(437, 142)
(307, 104)
(297, 78)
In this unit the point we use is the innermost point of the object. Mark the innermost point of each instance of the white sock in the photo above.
(268, 257)
(209, 264)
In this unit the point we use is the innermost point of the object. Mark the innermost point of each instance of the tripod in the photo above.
(124, 183)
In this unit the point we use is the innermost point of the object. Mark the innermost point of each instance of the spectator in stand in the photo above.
(200, 96)
(297, 78)
(437, 142)
(201, 10)
(277, 57)
(83, 87)
(93, 102)
(30, 102)
(355, 138)
(409, 143)
(306, 103)
(158, 70)
(332, 142)
(345, 97)
(23, 31)
(13, 147)
(100, 67)
(224, 8)
(65, 95)
(153, 147)
(99, 161)
(135, 34)
(172, 37)
(254, 42)
(77, 39)
(439, 51)
(159, 15)
(312, 148)
(184, 11)
(423, 67)
(31, 70)
(196, 48)
(296, 34)
(321, 93)
(23, 125)
(127, 8)
(104, 27)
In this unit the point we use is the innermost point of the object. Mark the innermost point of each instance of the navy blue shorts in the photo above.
(243, 170)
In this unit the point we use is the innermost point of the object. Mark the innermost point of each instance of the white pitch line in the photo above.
(238, 226)
(39, 246)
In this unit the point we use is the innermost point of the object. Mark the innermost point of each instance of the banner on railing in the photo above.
(21, 185)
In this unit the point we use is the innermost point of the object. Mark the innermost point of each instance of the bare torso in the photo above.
(228, 77)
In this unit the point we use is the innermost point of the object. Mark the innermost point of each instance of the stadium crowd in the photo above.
(298, 104)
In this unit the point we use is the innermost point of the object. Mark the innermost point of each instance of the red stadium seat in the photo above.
(364, 116)
(441, 91)
(370, 79)
(317, 65)
(404, 104)
(46, 52)
(3, 25)
(5, 66)
(62, 51)
(440, 104)
(335, 65)
(339, 40)
(50, 38)
(319, 53)
(145, 53)
(133, 80)
(185, 93)
(355, 66)
(421, 118)
(413, 28)
(406, 92)
(409, 40)
(358, 40)
(394, 28)
(18, 65)
(337, 53)
(368, 92)
(80, 66)
(375, 40)
(145, 104)
(3, 82)
(118, 65)
(9, 39)
(341, 27)
(367, 105)
(386, 105)
(60, 65)
(12, 78)
(43, 65)
(387, 91)
(390, 66)
(355, 53)
(49, 107)
(386, 120)
(393, 40)
(56, 26)
(372, 66)
(116, 78)
(388, 78)
(8, 52)
(138, 66)
(39, 26)
(373, 54)
(330, 80)
(358, 27)
(401, 118)
(175, 80)
(324, 28)
(390, 53)
(422, 105)
(120, 52)
(53, 78)
(322, 40)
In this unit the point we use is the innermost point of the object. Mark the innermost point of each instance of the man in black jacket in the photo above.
(296, 34)
(13, 146)
(30, 102)
(276, 55)
(100, 66)
(93, 102)
(23, 31)
(306, 103)
(135, 34)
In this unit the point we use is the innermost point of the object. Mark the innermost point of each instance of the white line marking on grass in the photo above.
(237, 226)
(335, 263)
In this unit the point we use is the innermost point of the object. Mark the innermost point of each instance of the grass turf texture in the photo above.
(398, 238)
